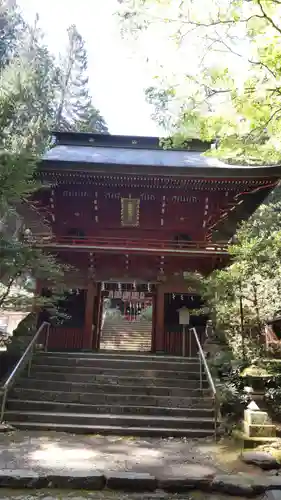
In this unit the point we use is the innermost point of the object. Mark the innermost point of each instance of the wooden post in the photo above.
(89, 313)
(159, 337)
(99, 317)
(242, 323)
(153, 328)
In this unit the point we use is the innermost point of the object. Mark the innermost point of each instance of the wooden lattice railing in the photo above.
(102, 242)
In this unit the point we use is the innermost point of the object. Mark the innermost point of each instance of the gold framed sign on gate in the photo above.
(130, 211)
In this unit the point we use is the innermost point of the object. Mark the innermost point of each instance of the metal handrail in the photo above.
(203, 361)
(24, 360)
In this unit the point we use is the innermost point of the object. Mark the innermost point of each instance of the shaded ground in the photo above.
(55, 452)
(56, 495)
(226, 454)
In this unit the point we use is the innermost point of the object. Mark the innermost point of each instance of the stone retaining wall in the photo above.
(199, 478)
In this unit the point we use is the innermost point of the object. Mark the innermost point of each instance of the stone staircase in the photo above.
(122, 394)
(118, 334)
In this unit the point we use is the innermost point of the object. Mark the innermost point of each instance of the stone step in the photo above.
(135, 337)
(115, 380)
(107, 362)
(121, 356)
(127, 338)
(121, 319)
(129, 325)
(114, 372)
(120, 342)
(110, 399)
(132, 336)
(141, 355)
(59, 407)
(126, 332)
(62, 385)
(123, 329)
(115, 321)
(123, 323)
(131, 340)
(114, 430)
(126, 347)
(107, 420)
(140, 335)
(110, 340)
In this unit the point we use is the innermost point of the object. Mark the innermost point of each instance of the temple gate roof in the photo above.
(105, 150)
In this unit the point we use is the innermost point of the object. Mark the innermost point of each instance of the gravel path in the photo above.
(54, 452)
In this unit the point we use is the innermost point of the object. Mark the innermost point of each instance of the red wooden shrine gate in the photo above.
(125, 208)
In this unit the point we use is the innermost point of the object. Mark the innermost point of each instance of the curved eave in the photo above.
(198, 171)
(225, 229)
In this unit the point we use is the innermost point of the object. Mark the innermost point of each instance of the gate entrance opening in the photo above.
(127, 319)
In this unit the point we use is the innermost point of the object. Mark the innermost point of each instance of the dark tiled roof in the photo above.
(135, 157)
(125, 156)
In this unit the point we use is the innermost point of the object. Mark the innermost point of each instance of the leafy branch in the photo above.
(267, 17)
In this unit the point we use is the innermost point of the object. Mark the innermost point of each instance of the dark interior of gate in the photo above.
(132, 219)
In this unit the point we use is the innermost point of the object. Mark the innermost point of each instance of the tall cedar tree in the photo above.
(75, 111)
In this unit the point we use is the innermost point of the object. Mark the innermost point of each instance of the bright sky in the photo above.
(117, 77)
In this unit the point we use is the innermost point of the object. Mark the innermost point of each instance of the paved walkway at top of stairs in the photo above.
(56, 454)
(50, 452)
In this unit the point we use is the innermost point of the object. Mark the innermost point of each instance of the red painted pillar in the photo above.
(159, 334)
(153, 328)
(89, 313)
(99, 298)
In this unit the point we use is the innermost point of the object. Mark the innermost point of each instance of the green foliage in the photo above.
(244, 296)
(225, 82)
(252, 282)
(11, 28)
(27, 106)
(21, 261)
(233, 399)
(26, 114)
(230, 385)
